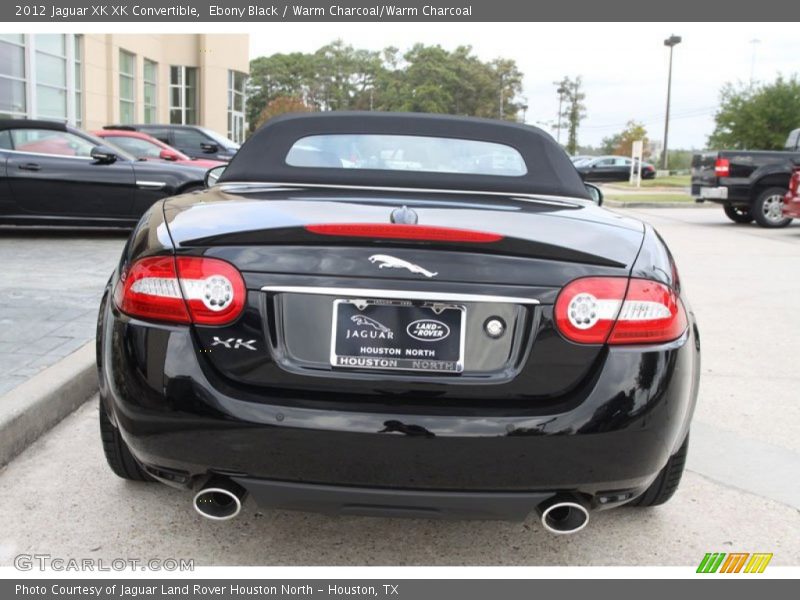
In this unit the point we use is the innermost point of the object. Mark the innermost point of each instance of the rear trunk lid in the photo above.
(303, 285)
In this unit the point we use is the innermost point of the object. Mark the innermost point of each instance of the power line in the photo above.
(687, 114)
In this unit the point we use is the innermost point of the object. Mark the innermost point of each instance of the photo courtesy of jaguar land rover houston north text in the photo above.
(399, 314)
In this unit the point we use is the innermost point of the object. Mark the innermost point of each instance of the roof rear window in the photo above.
(406, 153)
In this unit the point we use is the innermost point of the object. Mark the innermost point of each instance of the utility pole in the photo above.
(670, 42)
(524, 107)
(754, 42)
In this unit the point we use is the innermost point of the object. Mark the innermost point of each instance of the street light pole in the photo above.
(524, 108)
(671, 42)
(754, 43)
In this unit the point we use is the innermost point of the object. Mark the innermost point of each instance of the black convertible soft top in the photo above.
(262, 158)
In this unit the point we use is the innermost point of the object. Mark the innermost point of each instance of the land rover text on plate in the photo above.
(399, 314)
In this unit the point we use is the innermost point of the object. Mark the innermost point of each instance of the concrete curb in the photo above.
(620, 204)
(33, 407)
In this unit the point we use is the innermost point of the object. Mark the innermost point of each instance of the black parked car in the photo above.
(52, 174)
(399, 314)
(192, 140)
(611, 168)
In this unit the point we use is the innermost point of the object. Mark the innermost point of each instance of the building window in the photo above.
(236, 102)
(150, 91)
(50, 58)
(40, 77)
(13, 98)
(183, 95)
(77, 57)
(127, 87)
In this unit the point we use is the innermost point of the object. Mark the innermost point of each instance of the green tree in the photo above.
(279, 75)
(423, 79)
(757, 118)
(509, 86)
(344, 76)
(622, 143)
(680, 160)
(427, 82)
(279, 106)
(574, 110)
(609, 144)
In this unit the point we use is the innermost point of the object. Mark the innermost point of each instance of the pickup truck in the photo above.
(750, 184)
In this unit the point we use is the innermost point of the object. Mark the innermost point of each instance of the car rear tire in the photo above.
(767, 209)
(118, 455)
(737, 214)
(668, 480)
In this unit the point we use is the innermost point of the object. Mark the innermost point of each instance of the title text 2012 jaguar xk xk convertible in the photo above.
(395, 314)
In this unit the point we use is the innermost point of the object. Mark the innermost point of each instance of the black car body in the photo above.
(611, 168)
(53, 174)
(294, 395)
(193, 140)
(750, 184)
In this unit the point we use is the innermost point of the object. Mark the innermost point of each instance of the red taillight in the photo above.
(794, 183)
(615, 310)
(722, 168)
(404, 232)
(186, 289)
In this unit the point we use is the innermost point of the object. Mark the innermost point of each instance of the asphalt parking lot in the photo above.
(740, 492)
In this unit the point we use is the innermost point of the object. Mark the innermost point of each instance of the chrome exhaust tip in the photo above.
(220, 499)
(563, 517)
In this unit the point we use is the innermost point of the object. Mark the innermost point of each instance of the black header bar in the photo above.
(248, 11)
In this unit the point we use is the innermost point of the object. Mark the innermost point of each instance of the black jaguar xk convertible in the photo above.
(399, 314)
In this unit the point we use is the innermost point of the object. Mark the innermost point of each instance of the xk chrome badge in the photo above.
(391, 262)
(234, 343)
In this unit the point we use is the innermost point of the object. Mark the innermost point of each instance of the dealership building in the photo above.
(92, 80)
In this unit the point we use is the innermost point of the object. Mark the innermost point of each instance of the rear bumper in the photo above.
(181, 419)
(387, 502)
(734, 191)
(713, 193)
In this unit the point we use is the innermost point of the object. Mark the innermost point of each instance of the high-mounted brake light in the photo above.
(615, 310)
(722, 168)
(186, 289)
(404, 232)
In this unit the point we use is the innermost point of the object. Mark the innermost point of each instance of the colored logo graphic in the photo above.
(734, 562)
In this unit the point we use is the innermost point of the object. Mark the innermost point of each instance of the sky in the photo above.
(624, 65)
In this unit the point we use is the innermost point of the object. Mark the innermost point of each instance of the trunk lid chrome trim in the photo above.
(396, 294)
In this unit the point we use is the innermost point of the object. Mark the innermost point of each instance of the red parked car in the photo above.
(146, 147)
(791, 201)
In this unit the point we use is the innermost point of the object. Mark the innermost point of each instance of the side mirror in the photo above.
(168, 155)
(212, 175)
(209, 147)
(103, 155)
(595, 193)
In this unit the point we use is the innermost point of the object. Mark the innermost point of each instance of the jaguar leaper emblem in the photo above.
(369, 322)
(392, 262)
